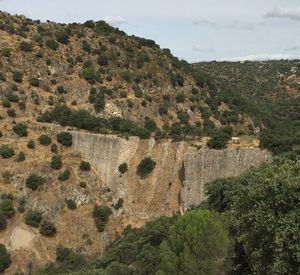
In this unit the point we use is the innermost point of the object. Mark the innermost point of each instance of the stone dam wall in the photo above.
(178, 179)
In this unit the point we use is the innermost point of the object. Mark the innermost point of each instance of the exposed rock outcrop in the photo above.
(179, 176)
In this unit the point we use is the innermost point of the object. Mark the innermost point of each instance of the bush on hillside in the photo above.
(52, 44)
(25, 46)
(33, 218)
(123, 168)
(146, 166)
(65, 139)
(6, 151)
(34, 181)
(17, 76)
(45, 140)
(5, 260)
(31, 144)
(21, 157)
(56, 162)
(20, 129)
(48, 229)
(101, 216)
(85, 166)
(65, 175)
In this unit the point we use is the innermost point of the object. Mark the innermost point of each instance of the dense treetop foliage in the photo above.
(262, 208)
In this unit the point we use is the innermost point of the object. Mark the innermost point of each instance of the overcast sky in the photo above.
(195, 30)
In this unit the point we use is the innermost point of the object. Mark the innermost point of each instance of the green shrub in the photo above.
(47, 229)
(3, 222)
(7, 208)
(220, 138)
(6, 103)
(61, 90)
(34, 181)
(89, 74)
(180, 97)
(62, 37)
(82, 184)
(45, 140)
(65, 175)
(6, 151)
(6, 52)
(21, 157)
(200, 238)
(119, 204)
(34, 82)
(183, 117)
(103, 60)
(11, 112)
(86, 46)
(56, 162)
(150, 124)
(65, 139)
(146, 166)
(101, 216)
(71, 204)
(54, 148)
(52, 44)
(33, 218)
(31, 144)
(85, 166)
(20, 129)
(123, 168)
(17, 76)
(25, 46)
(5, 260)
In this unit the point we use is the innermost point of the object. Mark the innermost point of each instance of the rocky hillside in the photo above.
(268, 92)
(60, 184)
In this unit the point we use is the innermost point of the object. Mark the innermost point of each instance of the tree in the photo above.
(263, 210)
(267, 217)
(5, 260)
(35, 82)
(47, 229)
(6, 151)
(34, 181)
(56, 162)
(65, 175)
(20, 129)
(101, 216)
(197, 243)
(52, 44)
(31, 144)
(17, 76)
(123, 168)
(7, 208)
(146, 166)
(33, 218)
(65, 138)
(219, 138)
(85, 166)
(21, 157)
(45, 140)
(25, 46)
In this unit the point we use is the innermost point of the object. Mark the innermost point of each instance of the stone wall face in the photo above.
(208, 165)
(179, 176)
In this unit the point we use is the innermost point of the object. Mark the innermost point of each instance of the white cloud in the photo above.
(261, 57)
(292, 49)
(205, 23)
(115, 21)
(199, 48)
(293, 14)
